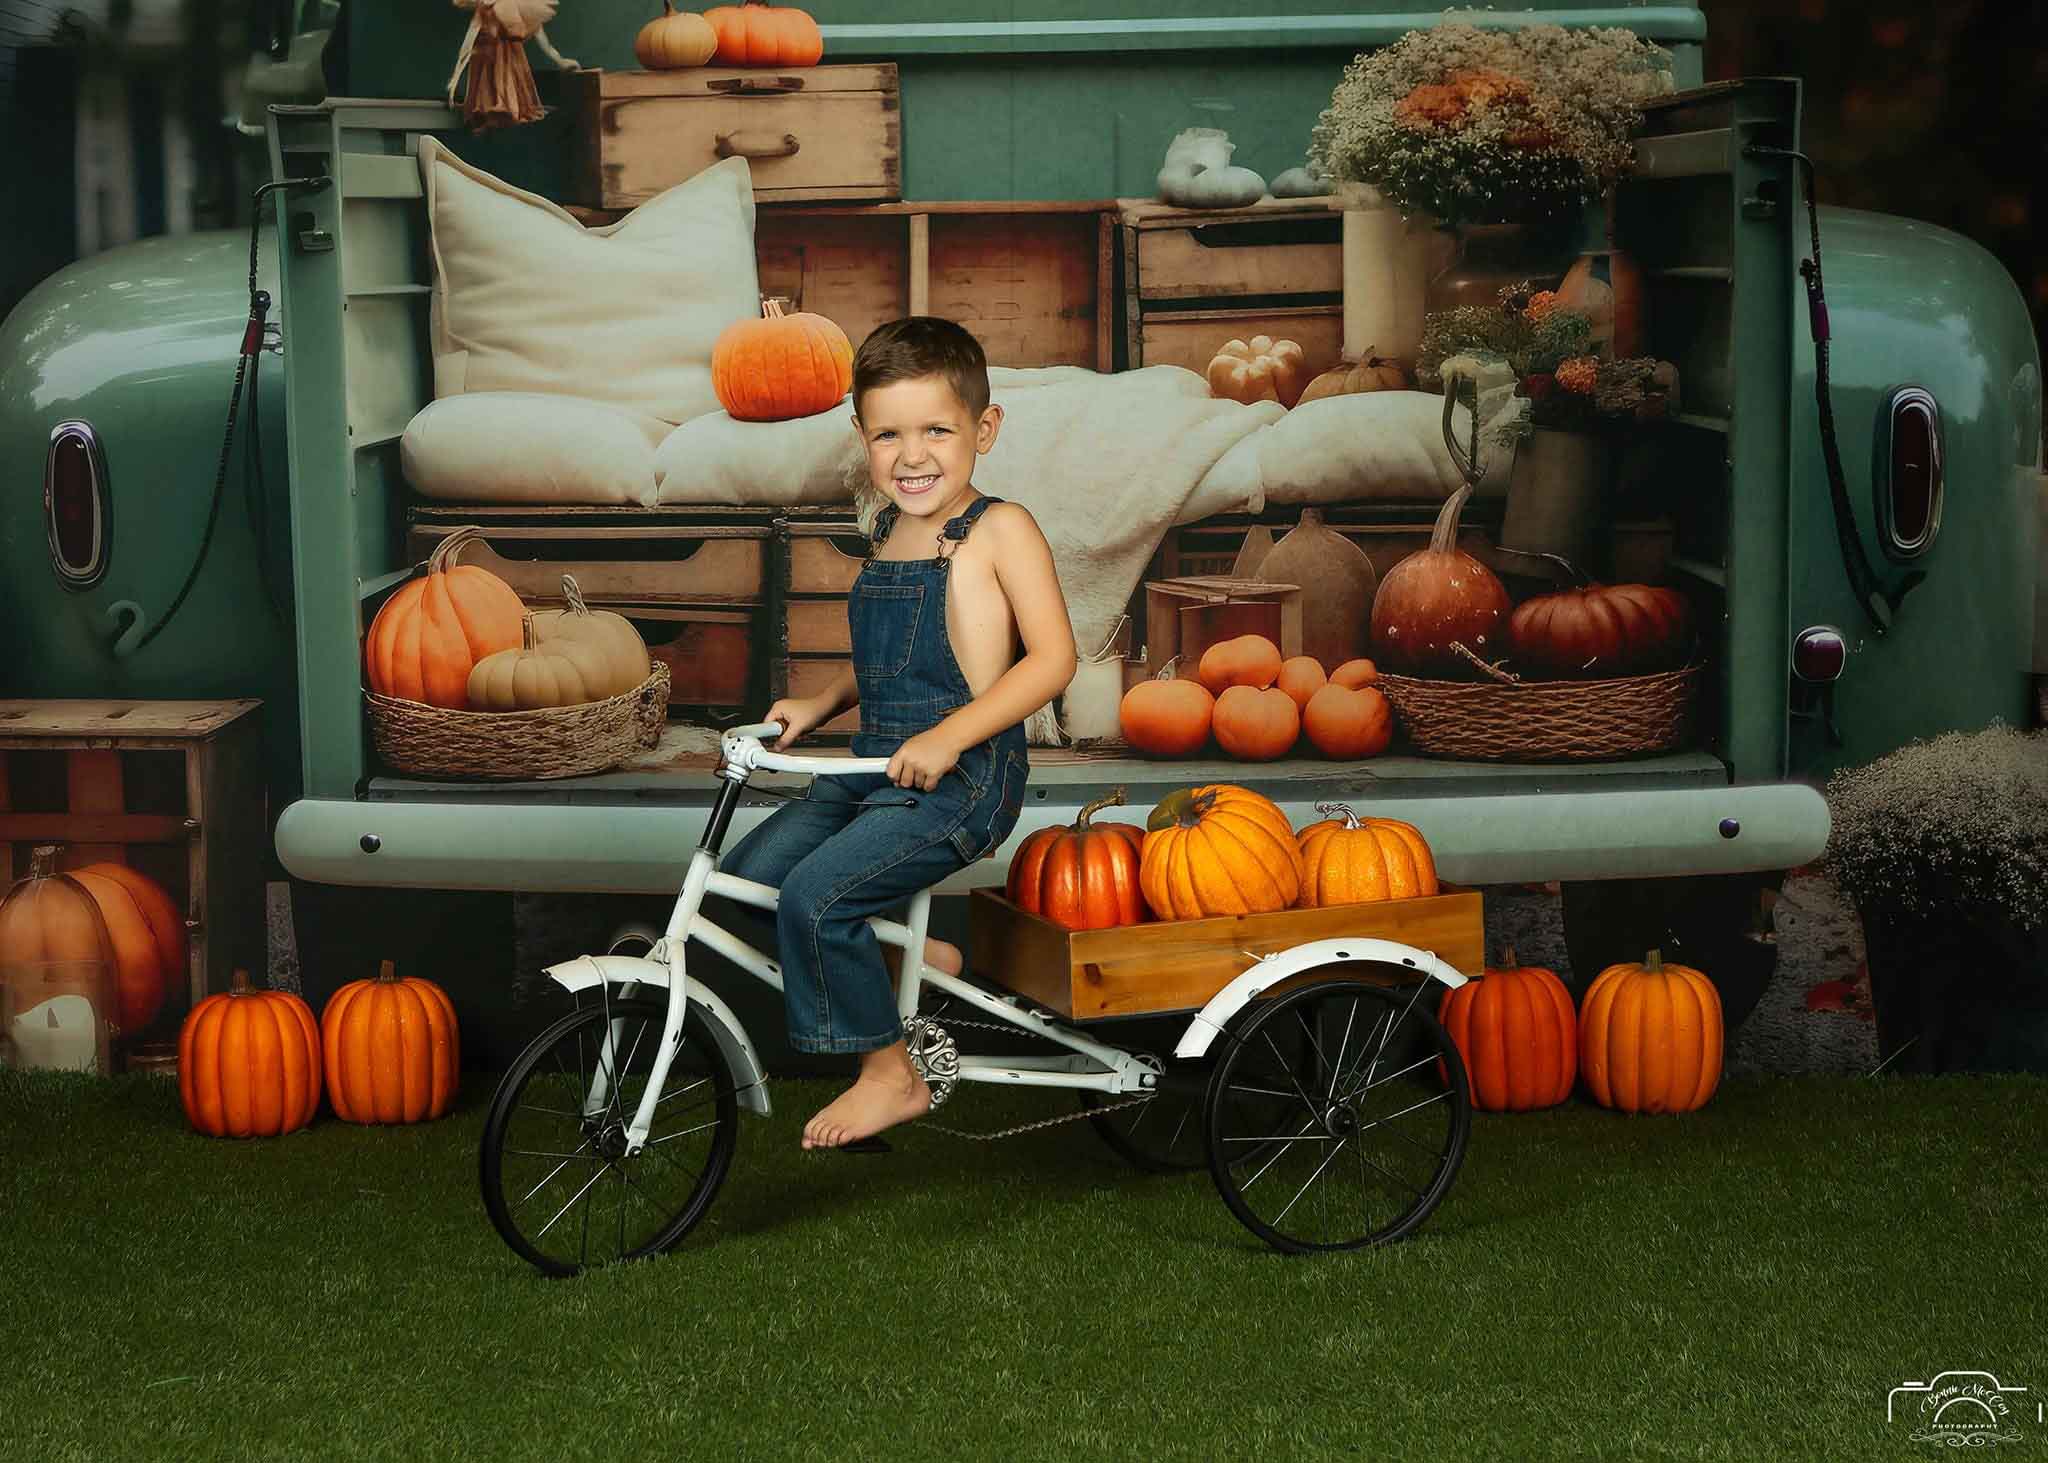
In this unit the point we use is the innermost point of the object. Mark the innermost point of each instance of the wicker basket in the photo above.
(1545, 721)
(557, 741)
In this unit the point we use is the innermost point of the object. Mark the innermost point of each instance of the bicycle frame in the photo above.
(1089, 1064)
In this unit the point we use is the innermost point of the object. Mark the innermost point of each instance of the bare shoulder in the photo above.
(1012, 523)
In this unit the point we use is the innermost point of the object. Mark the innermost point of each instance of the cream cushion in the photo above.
(525, 298)
(529, 447)
(718, 459)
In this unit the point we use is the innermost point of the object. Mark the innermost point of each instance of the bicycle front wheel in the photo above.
(558, 1183)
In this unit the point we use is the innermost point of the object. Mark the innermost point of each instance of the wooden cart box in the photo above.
(1176, 965)
(618, 556)
(806, 132)
(174, 790)
(1184, 617)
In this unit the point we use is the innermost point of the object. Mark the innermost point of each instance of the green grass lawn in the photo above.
(1748, 1281)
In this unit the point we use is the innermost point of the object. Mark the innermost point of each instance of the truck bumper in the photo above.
(642, 849)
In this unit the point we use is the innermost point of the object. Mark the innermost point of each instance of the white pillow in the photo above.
(528, 447)
(718, 459)
(1370, 444)
(528, 299)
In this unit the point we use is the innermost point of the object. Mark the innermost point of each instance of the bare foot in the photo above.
(938, 954)
(888, 1092)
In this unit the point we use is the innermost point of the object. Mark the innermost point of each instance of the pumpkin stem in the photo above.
(1331, 810)
(1113, 800)
(1654, 962)
(771, 307)
(1507, 956)
(1444, 537)
(526, 641)
(387, 973)
(240, 985)
(43, 862)
(450, 548)
(1166, 671)
(573, 593)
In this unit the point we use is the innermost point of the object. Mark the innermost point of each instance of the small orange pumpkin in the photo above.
(1355, 673)
(1374, 373)
(782, 366)
(1259, 369)
(1650, 1037)
(249, 1063)
(1519, 1036)
(1348, 722)
(754, 33)
(1347, 859)
(1245, 660)
(675, 38)
(1301, 676)
(390, 1049)
(1166, 716)
(1255, 725)
(1219, 849)
(1083, 876)
(434, 629)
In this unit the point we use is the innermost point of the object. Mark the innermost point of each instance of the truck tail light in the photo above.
(75, 505)
(1907, 465)
(1819, 654)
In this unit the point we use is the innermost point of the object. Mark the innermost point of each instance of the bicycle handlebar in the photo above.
(742, 747)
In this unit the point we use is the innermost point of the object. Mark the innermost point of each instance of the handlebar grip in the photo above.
(758, 730)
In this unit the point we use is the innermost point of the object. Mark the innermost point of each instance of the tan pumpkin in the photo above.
(1301, 676)
(1374, 373)
(1255, 725)
(1601, 630)
(1243, 660)
(1347, 859)
(612, 635)
(1166, 716)
(1259, 369)
(1081, 876)
(1519, 1036)
(1438, 597)
(249, 1063)
(781, 366)
(434, 628)
(1650, 1037)
(1218, 849)
(1258, 542)
(1348, 722)
(566, 672)
(390, 1049)
(1338, 583)
(754, 33)
(674, 39)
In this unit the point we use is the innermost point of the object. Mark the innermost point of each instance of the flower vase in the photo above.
(1386, 274)
(1557, 492)
(1488, 258)
(1605, 285)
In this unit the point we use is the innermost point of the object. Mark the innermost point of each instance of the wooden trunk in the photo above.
(1177, 965)
(1184, 617)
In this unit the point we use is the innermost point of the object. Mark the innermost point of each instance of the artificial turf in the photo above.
(1747, 1281)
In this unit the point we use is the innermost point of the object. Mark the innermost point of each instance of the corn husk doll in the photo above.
(501, 92)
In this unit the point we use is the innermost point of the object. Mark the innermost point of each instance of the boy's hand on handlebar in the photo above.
(797, 714)
(923, 760)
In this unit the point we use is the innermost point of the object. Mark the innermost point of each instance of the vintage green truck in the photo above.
(115, 373)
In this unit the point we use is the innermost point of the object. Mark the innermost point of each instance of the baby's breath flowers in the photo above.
(1490, 126)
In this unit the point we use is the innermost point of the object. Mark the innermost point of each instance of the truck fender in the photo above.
(587, 972)
(1209, 1022)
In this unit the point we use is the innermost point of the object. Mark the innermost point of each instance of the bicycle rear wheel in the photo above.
(557, 1181)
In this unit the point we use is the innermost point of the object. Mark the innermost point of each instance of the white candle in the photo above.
(1093, 697)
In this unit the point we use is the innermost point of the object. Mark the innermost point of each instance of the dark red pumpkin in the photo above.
(1436, 597)
(1083, 876)
(1601, 630)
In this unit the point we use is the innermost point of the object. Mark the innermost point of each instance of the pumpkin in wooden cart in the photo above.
(675, 38)
(1438, 597)
(1602, 630)
(1082, 875)
(754, 33)
(1259, 369)
(1650, 1037)
(781, 366)
(1166, 716)
(612, 635)
(1218, 849)
(390, 1049)
(249, 1063)
(1519, 1035)
(1347, 859)
(433, 629)
(1349, 378)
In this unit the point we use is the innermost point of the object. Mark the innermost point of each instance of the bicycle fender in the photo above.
(1222, 1007)
(587, 972)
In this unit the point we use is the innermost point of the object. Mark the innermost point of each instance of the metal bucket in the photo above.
(1557, 494)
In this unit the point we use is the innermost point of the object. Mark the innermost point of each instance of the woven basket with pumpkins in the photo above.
(1583, 674)
(465, 681)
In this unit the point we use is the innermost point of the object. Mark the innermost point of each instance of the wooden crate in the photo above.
(173, 789)
(1184, 617)
(713, 657)
(807, 133)
(1176, 965)
(618, 556)
(1190, 337)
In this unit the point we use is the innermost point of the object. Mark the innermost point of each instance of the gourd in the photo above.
(1355, 673)
(781, 366)
(1339, 580)
(1218, 849)
(1197, 172)
(612, 636)
(1082, 875)
(1519, 1036)
(1436, 597)
(148, 937)
(1348, 722)
(390, 1049)
(1256, 725)
(249, 1063)
(564, 672)
(1258, 542)
(1259, 369)
(1301, 676)
(1650, 1037)
(1300, 183)
(675, 38)
(1243, 660)
(1374, 373)
(1166, 716)
(753, 33)
(1601, 630)
(433, 629)
(1347, 859)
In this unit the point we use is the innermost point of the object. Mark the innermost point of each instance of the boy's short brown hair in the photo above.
(922, 345)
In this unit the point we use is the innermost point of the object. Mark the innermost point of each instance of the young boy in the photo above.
(960, 632)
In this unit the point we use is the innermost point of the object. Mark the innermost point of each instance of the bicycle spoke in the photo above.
(1327, 1161)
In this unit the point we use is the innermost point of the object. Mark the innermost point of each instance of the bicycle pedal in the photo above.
(867, 1145)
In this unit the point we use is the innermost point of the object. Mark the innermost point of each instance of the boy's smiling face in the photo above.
(921, 441)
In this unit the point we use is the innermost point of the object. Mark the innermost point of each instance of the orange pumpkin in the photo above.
(1355, 673)
(1301, 676)
(148, 935)
(434, 628)
(1083, 876)
(1259, 369)
(1219, 849)
(1246, 660)
(249, 1063)
(1348, 723)
(390, 1049)
(1519, 1036)
(1166, 716)
(1602, 630)
(54, 945)
(1347, 859)
(781, 366)
(1374, 373)
(1650, 1037)
(675, 38)
(1437, 597)
(753, 33)
(1255, 725)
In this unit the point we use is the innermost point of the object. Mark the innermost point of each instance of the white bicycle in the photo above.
(1318, 1087)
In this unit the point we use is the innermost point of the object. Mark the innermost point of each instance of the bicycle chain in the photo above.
(1072, 1117)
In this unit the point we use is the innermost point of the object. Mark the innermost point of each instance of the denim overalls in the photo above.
(860, 846)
